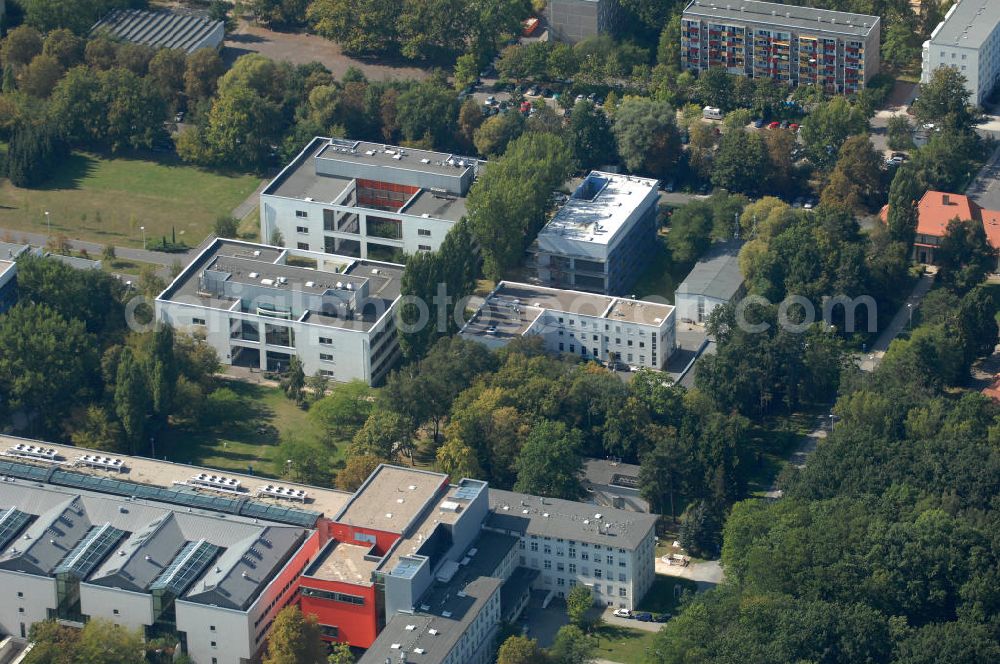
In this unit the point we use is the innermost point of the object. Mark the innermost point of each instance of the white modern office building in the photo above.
(9, 254)
(259, 305)
(599, 238)
(968, 39)
(366, 200)
(593, 327)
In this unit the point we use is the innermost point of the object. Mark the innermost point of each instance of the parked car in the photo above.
(644, 616)
(533, 91)
(773, 125)
(661, 617)
(622, 613)
(547, 93)
(579, 98)
(793, 127)
(902, 156)
(758, 123)
(179, 117)
(784, 124)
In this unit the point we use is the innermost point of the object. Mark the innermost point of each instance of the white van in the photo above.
(711, 113)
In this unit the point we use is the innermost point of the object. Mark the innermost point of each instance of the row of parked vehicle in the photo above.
(642, 616)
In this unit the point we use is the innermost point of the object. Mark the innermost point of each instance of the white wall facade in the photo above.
(215, 635)
(695, 308)
(475, 646)
(26, 599)
(284, 215)
(128, 609)
(977, 59)
(597, 338)
(340, 354)
(617, 576)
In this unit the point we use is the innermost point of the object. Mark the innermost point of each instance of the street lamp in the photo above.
(48, 222)
(909, 308)
(143, 230)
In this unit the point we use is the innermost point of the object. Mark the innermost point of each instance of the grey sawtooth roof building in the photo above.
(162, 29)
(715, 279)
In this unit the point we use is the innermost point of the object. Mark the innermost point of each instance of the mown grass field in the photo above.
(92, 197)
(623, 644)
(248, 438)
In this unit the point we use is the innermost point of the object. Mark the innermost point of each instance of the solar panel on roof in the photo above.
(186, 567)
(466, 492)
(12, 521)
(89, 551)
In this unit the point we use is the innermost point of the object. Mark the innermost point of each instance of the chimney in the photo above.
(946, 199)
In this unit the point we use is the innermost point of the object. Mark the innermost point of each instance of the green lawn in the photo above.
(250, 439)
(623, 644)
(92, 197)
(661, 597)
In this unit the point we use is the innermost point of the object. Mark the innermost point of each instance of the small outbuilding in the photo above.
(162, 29)
(713, 281)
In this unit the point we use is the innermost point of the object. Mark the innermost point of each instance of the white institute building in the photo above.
(586, 325)
(968, 39)
(599, 238)
(259, 305)
(367, 200)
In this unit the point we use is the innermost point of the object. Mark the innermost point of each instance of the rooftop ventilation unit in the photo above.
(310, 284)
(253, 275)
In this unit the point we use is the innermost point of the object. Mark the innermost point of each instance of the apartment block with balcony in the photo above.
(793, 45)
(599, 240)
(259, 306)
(366, 200)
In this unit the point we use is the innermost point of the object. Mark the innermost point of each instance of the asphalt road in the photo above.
(985, 189)
(95, 249)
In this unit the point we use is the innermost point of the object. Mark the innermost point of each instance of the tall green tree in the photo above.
(828, 126)
(741, 159)
(294, 638)
(945, 100)
(550, 462)
(965, 255)
(579, 601)
(590, 136)
(131, 399)
(647, 136)
(904, 195)
(365, 27)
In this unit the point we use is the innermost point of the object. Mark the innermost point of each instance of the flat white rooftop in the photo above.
(598, 209)
(967, 24)
(512, 308)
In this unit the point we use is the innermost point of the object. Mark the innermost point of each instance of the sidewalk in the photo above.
(95, 249)
(874, 354)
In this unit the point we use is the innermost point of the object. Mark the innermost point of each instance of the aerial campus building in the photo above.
(366, 200)
(162, 29)
(598, 239)
(716, 279)
(795, 45)
(259, 306)
(9, 254)
(968, 39)
(607, 329)
(410, 566)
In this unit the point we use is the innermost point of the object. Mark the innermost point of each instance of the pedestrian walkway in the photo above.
(95, 249)
(252, 201)
(901, 320)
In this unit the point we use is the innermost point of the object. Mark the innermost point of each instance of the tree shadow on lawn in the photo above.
(75, 168)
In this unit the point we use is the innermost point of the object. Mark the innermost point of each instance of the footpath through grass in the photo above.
(107, 200)
(243, 439)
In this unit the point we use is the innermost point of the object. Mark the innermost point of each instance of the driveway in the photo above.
(301, 48)
(707, 574)
(985, 189)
